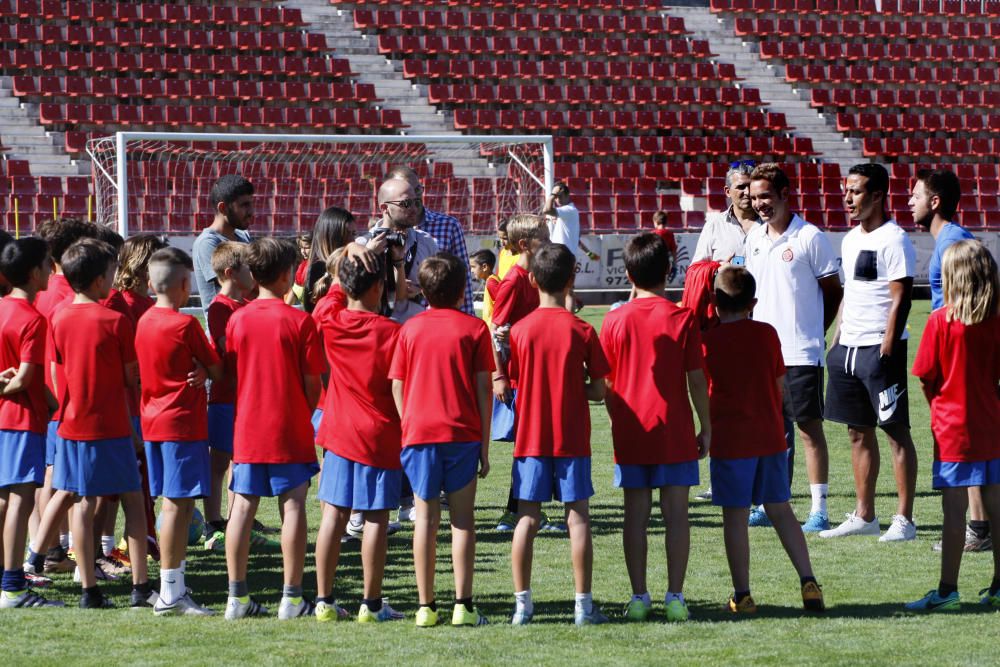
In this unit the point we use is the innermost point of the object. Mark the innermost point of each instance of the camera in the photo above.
(391, 238)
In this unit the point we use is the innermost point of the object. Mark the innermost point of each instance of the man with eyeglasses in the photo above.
(723, 235)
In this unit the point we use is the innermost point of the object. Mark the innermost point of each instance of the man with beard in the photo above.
(232, 200)
(722, 237)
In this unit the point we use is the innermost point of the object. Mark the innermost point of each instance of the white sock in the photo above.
(171, 585)
(584, 602)
(673, 596)
(357, 518)
(184, 566)
(523, 601)
(646, 600)
(818, 492)
(31, 547)
(66, 540)
(107, 544)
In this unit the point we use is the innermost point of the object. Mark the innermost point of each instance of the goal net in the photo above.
(160, 182)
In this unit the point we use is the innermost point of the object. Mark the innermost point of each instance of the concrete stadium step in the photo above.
(26, 139)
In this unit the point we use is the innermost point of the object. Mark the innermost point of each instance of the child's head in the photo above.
(357, 281)
(272, 261)
(647, 261)
(133, 262)
(304, 242)
(660, 220)
(61, 234)
(526, 232)
(735, 291)
(26, 263)
(170, 272)
(442, 279)
(482, 263)
(325, 282)
(553, 267)
(229, 264)
(971, 285)
(109, 236)
(90, 264)
(334, 229)
(502, 234)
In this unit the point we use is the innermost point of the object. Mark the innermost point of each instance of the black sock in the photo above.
(739, 596)
(219, 525)
(944, 590)
(144, 588)
(995, 586)
(326, 599)
(464, 601)
(805, 580)
(38, 562)
(432, 604)
(511, 501)
(980, 528)
(374, 606)
(92, 591)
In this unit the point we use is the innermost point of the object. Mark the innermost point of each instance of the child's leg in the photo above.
(991, 503)
(637, 507)
(82, 525)
(332, 527)
(904, 465)
(4, 503)
(293, 533)
(52, 520)
(865, 461)
(213, 501)
(791, 536)
(134, 505)
(522, 546)
(581, 544)
(241, 515)
(674, 505)
(425, 530)
(462, 505)
(736, 536)
(374, 544)
(107, 524)
(175, 520)
(954, 502)
(16, 504)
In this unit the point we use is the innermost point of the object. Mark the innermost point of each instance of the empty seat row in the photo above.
(585, 95)
(688, 145)
(531, 46)
(870, 28)
(897, 75)
(534, 70)
(554, 121)
(956, 52)
(433, 19)
(914, 122)
(930, 98)
(565, 5)
(950, 8)
(151, 12)
(938, 147)
(156, 38)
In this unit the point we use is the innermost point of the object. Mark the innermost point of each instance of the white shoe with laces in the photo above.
(853, 525)
(900, 530)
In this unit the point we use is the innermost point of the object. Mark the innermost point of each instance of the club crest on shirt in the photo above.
(787, 255)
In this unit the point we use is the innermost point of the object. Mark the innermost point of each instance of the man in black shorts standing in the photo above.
(867, 362)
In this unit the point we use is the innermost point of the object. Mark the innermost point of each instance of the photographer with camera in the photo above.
(401, 210)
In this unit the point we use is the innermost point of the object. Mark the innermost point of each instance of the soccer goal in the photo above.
(160, 181)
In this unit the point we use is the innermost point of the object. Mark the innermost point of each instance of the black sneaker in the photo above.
(142, 600)
(57, 561)
(95, 600)
(261, 528)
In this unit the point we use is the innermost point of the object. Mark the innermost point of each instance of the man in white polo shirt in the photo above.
(798, 292)
(724, 234)
(563, 219)
(867, 362)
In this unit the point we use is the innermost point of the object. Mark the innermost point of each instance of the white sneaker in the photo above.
(184, 606)
(294, 608)
(900, 530)
(237, 608)
(407, 513)
(355, 530)
(853, 525)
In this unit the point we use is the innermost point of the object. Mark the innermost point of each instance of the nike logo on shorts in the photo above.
(888, 399)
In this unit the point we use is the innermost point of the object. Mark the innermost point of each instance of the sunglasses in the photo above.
(406, 203)
(742, 163)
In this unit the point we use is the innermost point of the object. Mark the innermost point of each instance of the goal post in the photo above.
(160, 181)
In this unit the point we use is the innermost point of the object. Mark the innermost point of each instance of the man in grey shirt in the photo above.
(232, 200)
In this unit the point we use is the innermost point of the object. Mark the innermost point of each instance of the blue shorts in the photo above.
(221, 424)
(51, 438)
(270, 479)
(22, 458)
(502, 422)
(945, 475)
(447, 467)
(317, 419)
(654, 476)
(179, 469)
(347, 483)
(750, 481)
(540, 479)
(96, 467)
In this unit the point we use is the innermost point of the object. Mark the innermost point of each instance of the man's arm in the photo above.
(901, 293)
(833, 294)
(549, 207)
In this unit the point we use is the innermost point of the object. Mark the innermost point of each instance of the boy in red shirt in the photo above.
(361, 466)
(958, 364)
(661, 230)
(278, 361)
(515, 298)
(235, 282)
(96, 453)
(169, 346)
(552, 353)
(749, 463)
(441, 384)
(26, 265)
(654, 349)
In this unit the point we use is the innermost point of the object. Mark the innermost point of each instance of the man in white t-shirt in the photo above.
(798, 291)
(724, 234)
(563, 220)
(867, 362)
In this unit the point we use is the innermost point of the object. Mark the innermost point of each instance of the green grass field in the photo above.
(865, 584)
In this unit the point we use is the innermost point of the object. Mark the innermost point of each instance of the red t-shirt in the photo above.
(438, 355)
(167, 343)
(93, 343)
(743, 363)
(668, 239)
(651, 344)
(515, 297)
(273, 346)
(58, 295)
(219, 312)
(334, 298)
(552, 352)
(138, 304)
(116, 301)
(301, 271)
(961, 366)
(23, 334)
(360, 347)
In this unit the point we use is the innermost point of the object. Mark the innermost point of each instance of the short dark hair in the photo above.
(773, 174)
(355, 279)
(647, 260)
(735, 289)
(878, 177)
(85, 261)
(269, 258)
(109, 236)
(553, 267)
(442, 279)
(229, 188)
(60, 234)
(165, 266)
(945, 185)
(484, 256)
(19, 258)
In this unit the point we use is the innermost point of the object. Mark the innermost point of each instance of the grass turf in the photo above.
(865, 584)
